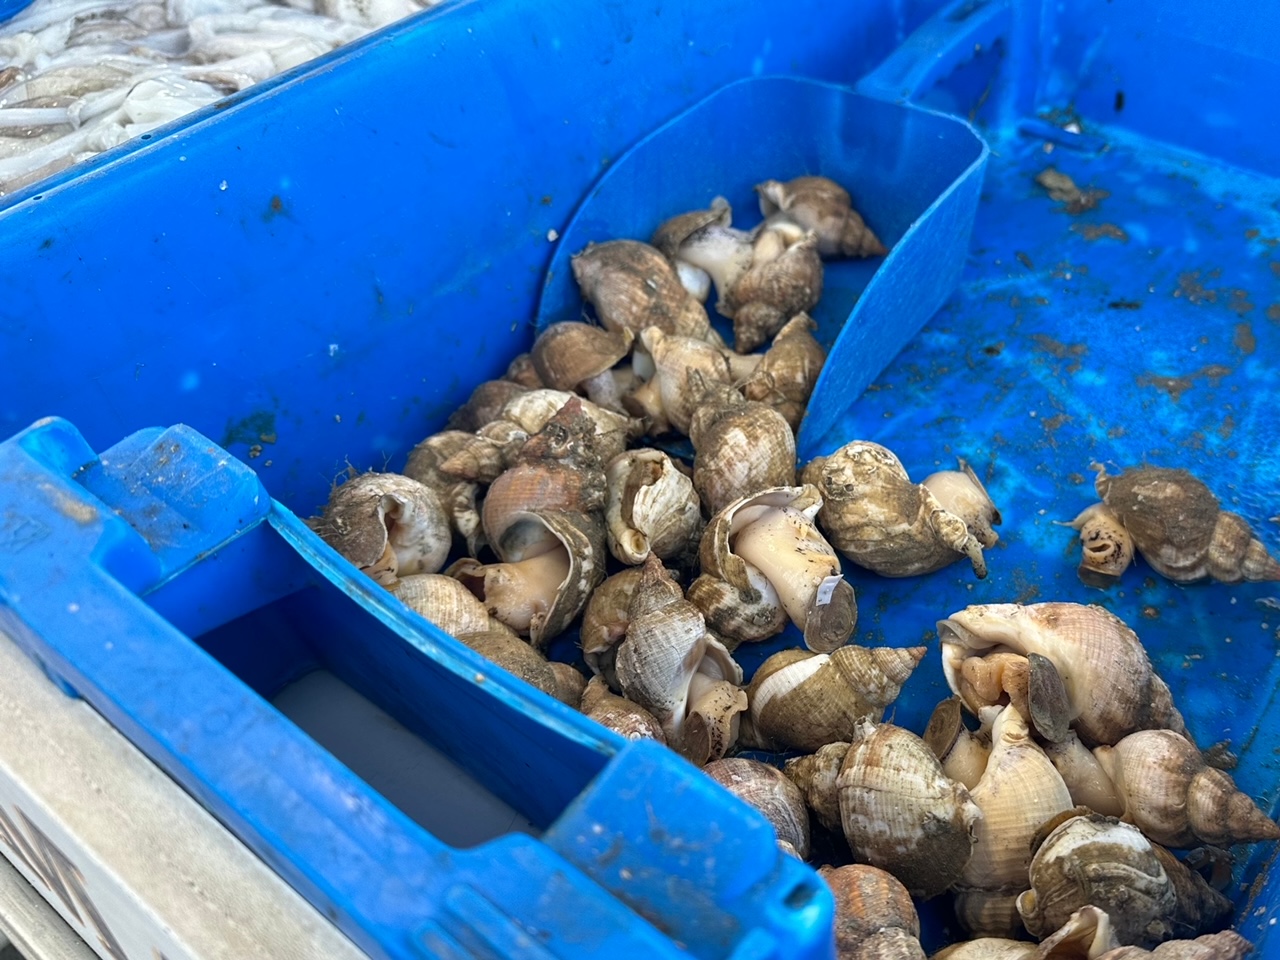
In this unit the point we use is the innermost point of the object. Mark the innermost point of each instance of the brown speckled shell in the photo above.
(570, 683)
(1081, 858)
(557, 470)
(633, 286)
(880, 520)
(741, 448)
(902, 813)
(768, 790)
(1180, 529)
(770, 294)
(823, 206)
(1111, 686)
(531, 410)
(788, 370)
(801, 702)
(875, 918)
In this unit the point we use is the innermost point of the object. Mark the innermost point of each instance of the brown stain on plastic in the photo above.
(1177, 386)
(1245, 341)
(1096, 231)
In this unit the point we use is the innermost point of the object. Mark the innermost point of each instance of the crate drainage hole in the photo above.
(413, 775)
(801, 896)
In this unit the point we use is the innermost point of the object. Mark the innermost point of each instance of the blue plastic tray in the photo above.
(360, 273)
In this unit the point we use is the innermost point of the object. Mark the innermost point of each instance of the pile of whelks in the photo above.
(1053, 818)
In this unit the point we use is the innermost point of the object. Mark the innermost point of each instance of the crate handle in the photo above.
(947, 40)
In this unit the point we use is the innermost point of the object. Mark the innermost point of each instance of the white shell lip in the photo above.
(788, 678)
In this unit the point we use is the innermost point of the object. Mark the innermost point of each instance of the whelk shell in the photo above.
(875, 918)
(667, 400)
(1017, 792)
(768, 790)
(446, 603)
(823, 206)
(652, 506)
(1165, 788)
(766, 553)
(547, 573)
(880, 520)
(665, 645)
(902, 813)
(787, 372)
(785, 278)
(802, 700)
(387, 525)
(741, 447)
(620, 715)
(1180, 528)
(1110, 684)
(632, 286)
(1084, 858)
(573, 355)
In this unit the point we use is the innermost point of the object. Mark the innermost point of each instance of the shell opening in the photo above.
(784, 545)
(519, 594)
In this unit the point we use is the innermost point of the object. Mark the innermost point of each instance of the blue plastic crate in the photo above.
(373, 256)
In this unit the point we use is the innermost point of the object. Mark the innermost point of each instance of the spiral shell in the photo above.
(652, 506)
(522, 371)
(768, 790)
(446, 603)
(902, 813)
(803, 701)
(815, 775)
(875, 918)
(666, 644)
(1227, 945)
(775, 288)
(823, 206)
(1168, 792)
(457, 496)
(604, 623)
(882, 521)
(1180, 528)
(548, 573)
(387, 525)
(667, 400)
(515, 656)
(570, 683)
(632, 286)
(558, 470)
(741, 447)
(531, 410)
(1018, 791)
(767, 549)
(1110, 685)
(620, 715)
(1081, 858)
(787, 373)
(486, 404)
